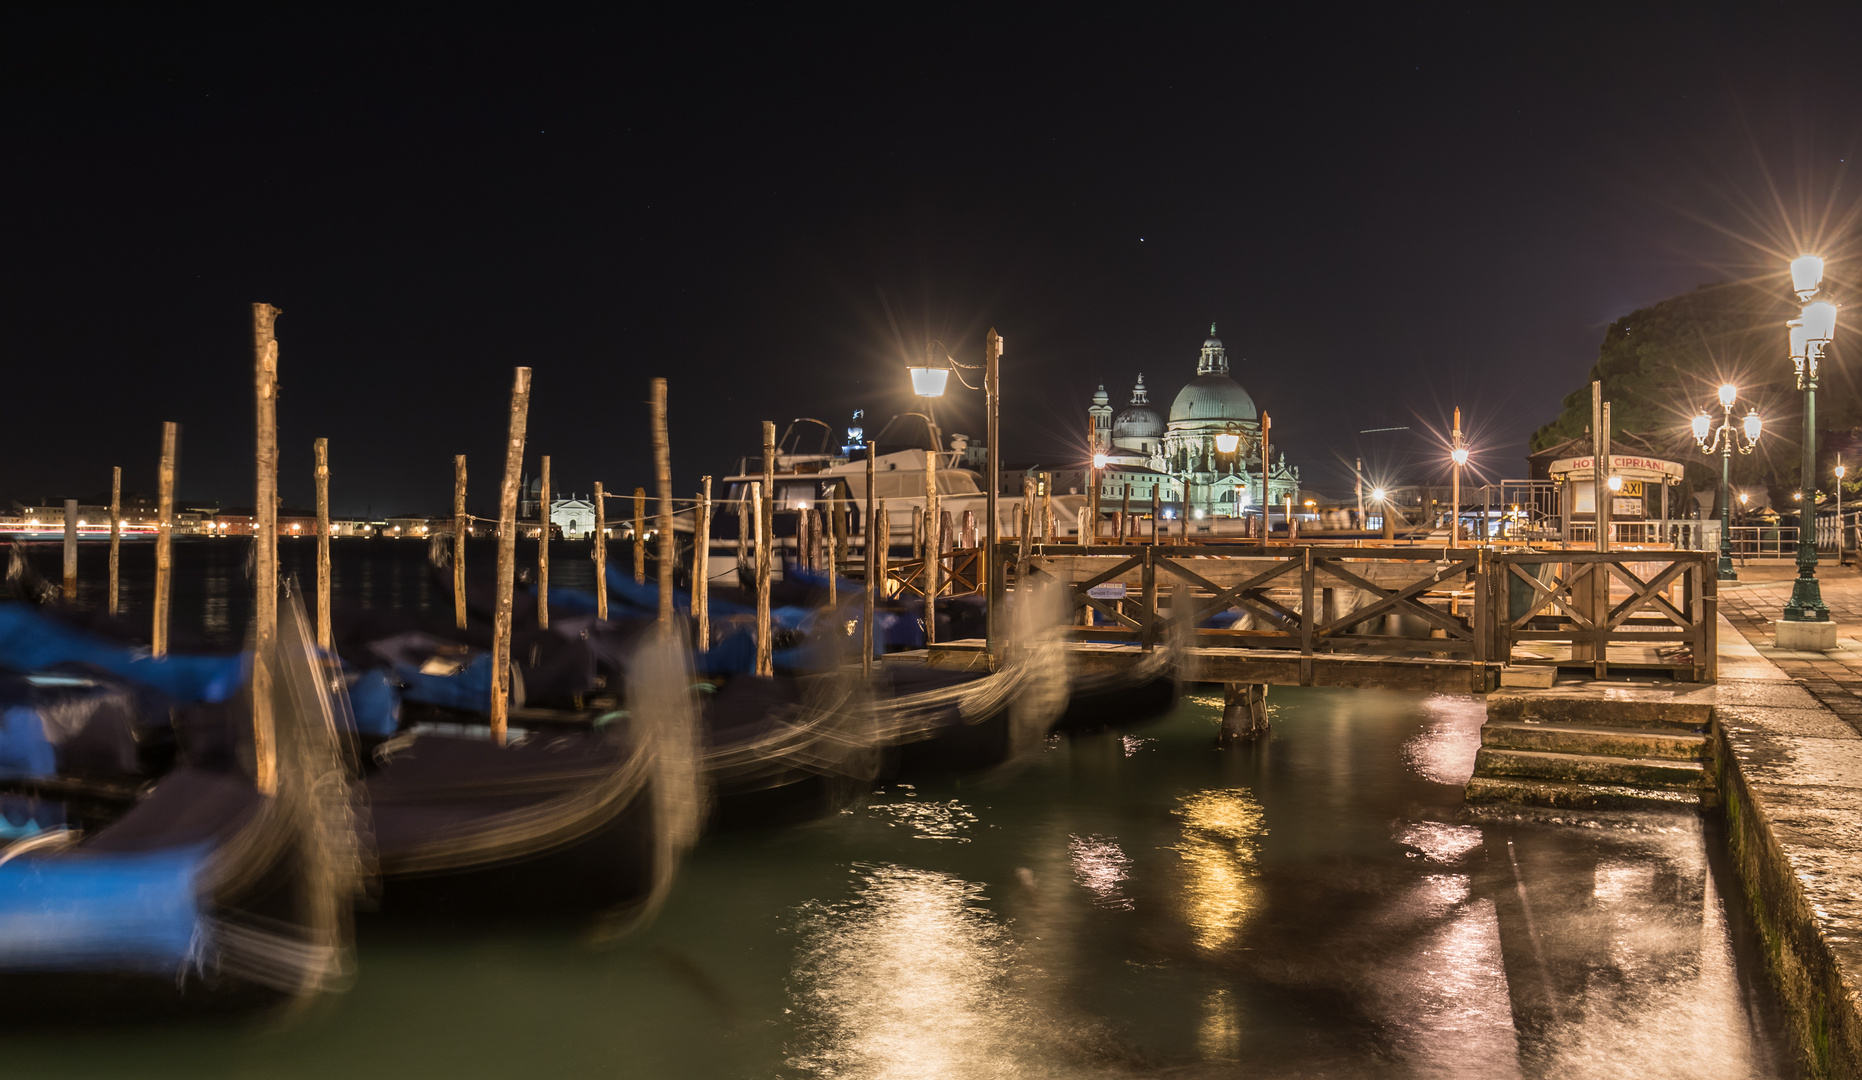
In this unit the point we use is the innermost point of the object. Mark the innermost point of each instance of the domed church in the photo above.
(1180, 457)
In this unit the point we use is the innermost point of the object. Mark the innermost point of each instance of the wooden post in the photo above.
(765, 664)
(701, 565)
(164, 537)
(116, 531)
(837, 541)
(1048, 526)
(873, 584)
(1090, 534)
(662, 466)
(1124, 514)
(640, 536)
(543, 543)
(461, 526)
(322, 450)
(1028, 525)
(1157, 505)
(71, 550)
(265, 547)
(601, 553)
(769, 481)
(507, 554)
(882, 562)
(991, 568)
(1267, 490)
(933, 556)
(918, 533)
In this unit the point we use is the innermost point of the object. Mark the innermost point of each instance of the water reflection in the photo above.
(1100, 866)
(1443, 752)
(908, 979)
(1221, 843)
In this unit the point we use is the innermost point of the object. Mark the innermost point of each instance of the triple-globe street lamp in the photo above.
(1811, 333)
(1724, 438)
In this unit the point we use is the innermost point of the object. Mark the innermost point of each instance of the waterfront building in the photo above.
(574, 517)
(1178, 457)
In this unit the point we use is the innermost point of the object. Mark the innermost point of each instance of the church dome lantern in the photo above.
(1138, 420)
(1212, 397)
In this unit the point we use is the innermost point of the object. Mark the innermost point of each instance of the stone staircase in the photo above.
(1594, 748)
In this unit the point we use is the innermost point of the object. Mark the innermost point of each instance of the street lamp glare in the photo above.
(1744, 498)
(1615, 482)
(1379, 494)
(1099, 461)
(1702, 424)
(1460, 455)
(1806, 275)
(1752, 426)
(1842, 471)
(1728, 394)
(1227, 441)
(929, 381)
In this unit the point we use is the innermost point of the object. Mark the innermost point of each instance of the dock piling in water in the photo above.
(701, 566)
(265, 545)
(662, 469)
(164, 537)
(764, 657)
(543, 544)
(116, 531)
(933, 555)
(640, 536)
(601, 553)
(507, 555)
(461, 525)
(322, 449)
(71, 550)
(872, 583)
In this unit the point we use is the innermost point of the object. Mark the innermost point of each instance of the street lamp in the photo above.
(928, 381)
(1841, 471)
(1228, 440)
(1810, 333)
(1725, 436)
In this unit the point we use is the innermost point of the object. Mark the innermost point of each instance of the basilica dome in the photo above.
(1138, 422)
(1212, 398)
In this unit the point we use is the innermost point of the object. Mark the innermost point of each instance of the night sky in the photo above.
(774, 207)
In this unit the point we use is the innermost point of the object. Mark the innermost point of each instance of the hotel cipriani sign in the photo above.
(1627, 466)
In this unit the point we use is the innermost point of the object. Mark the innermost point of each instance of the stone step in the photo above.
(1580, 796)
(1492, 762)
(1663, 744)
(1600, 708)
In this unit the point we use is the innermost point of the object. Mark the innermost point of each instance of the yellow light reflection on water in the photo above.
(1220, 851)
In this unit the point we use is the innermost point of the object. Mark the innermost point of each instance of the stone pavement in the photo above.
(1752, 603)
(1789, 770)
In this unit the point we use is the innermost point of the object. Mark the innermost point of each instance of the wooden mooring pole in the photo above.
(765, 664)
(662, 468)
(461, 526)
(543, 545)
(164, 537)
(322, 449)
(265, 547)
(116, 530)
(71, 550)
(640, 536)
(507, 555)
(601, 553)
(933, 548)
(867, 563)
(701, 565)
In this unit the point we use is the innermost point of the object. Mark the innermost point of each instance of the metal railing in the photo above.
(1764, 541)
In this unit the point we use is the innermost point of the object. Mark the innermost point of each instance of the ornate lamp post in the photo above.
(1724, 437)
(929, 381)
(1841, 471)
(1811, 332)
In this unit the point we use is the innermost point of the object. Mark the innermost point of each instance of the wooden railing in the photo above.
(1646, 609)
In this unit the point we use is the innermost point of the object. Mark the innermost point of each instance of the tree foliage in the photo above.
(1662, 364)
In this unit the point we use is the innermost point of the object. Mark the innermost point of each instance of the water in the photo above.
(1124, 905)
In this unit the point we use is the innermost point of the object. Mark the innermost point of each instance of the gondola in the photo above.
(205, 894)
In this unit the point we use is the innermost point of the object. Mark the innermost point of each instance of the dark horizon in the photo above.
(1386, 215)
